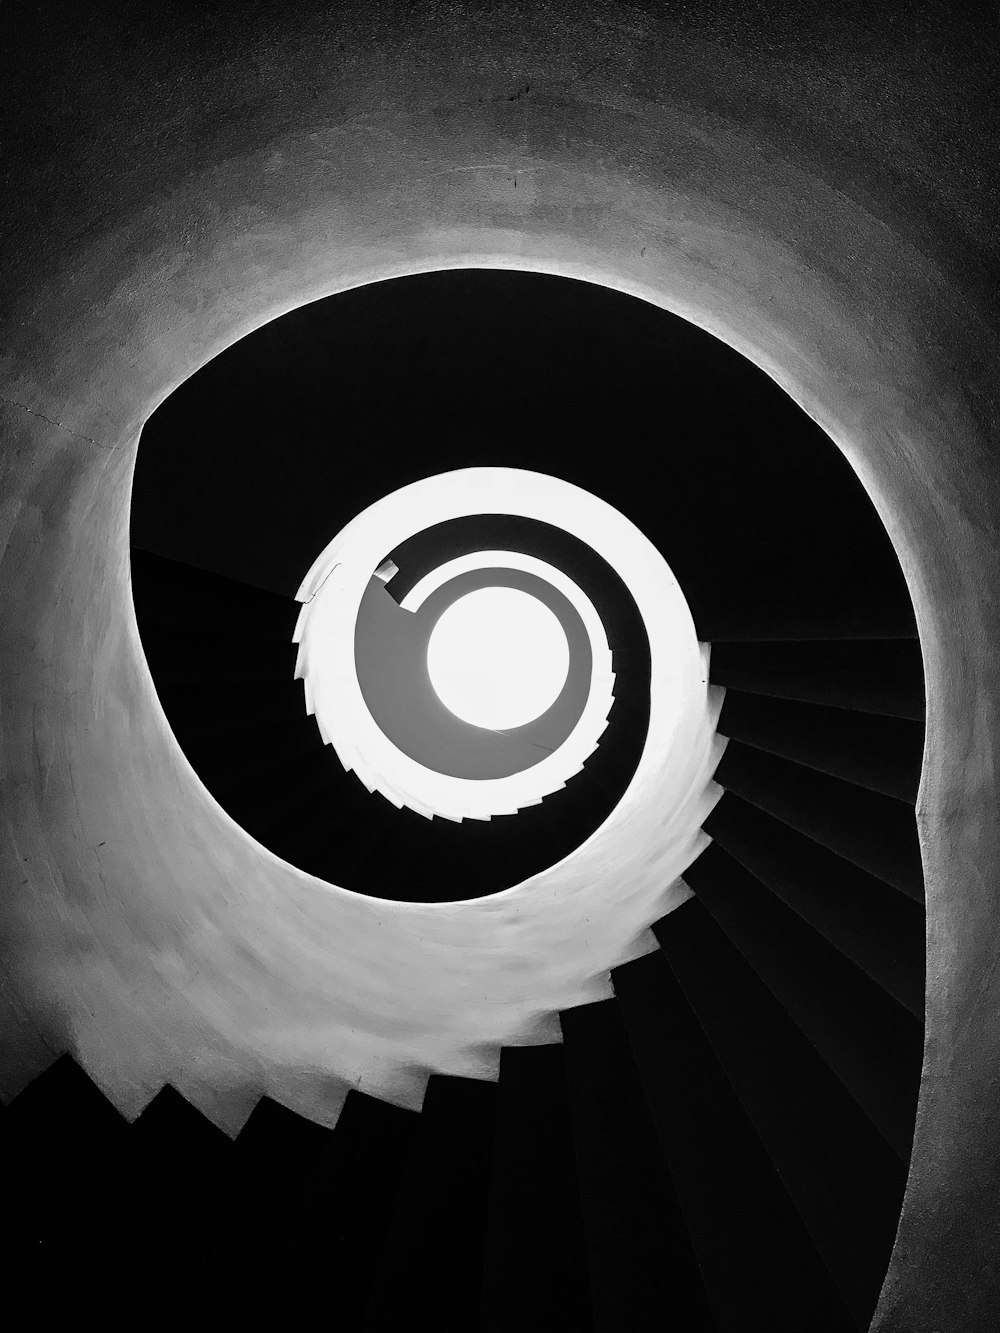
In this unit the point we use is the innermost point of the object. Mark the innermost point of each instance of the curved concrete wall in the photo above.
(814, 192)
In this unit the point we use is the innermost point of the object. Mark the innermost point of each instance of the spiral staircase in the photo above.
(720, 1145)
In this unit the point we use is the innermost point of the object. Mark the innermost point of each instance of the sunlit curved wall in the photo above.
(818, 197)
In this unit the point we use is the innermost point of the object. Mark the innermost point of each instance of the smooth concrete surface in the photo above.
(819, 192)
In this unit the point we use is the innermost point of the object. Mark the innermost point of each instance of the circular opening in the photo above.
(498, 658)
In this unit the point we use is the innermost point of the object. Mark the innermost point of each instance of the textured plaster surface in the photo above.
(817, 193)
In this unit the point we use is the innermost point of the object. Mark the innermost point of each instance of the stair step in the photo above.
(59, 1116)
(639, 1254)
(787, 622)
(55, 1232)
(776, 566)
(213, 664)
(254, 772)
(760, 1268)
(323, 818)
(250, 724)
(332, 827)
(434, 1250)
(844, 1180)
(171, 593)
(874, 832)
(176, 1157)
(320, 1203)
(536, 1264)
(880, 930)
(865, 675)
(881, 753)
(878, 1061)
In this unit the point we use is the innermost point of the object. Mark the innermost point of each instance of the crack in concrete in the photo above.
(312, 596)
(591, 69)
(509, 171)
(96, 851)
(58, 424)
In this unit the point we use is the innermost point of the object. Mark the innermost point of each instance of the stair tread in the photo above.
(880, 753)
(180, 587)
(59, 1124)
(748, 1236)
(639, 1254)
(873, 831)
(319, 1203)
(880, 929)
(844, 1180)
(880, 676)
(535, 1255)
(878, 1061)
(433, 1252)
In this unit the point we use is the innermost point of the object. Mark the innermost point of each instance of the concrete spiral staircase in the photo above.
(722, 1145)
(817, 188)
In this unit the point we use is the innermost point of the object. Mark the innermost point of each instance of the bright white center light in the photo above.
(498, 658)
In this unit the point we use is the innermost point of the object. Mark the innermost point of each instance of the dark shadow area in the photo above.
(258, 460)
(249, 469)
(222, 659)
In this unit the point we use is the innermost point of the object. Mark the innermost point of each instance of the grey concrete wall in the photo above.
(819, 193)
